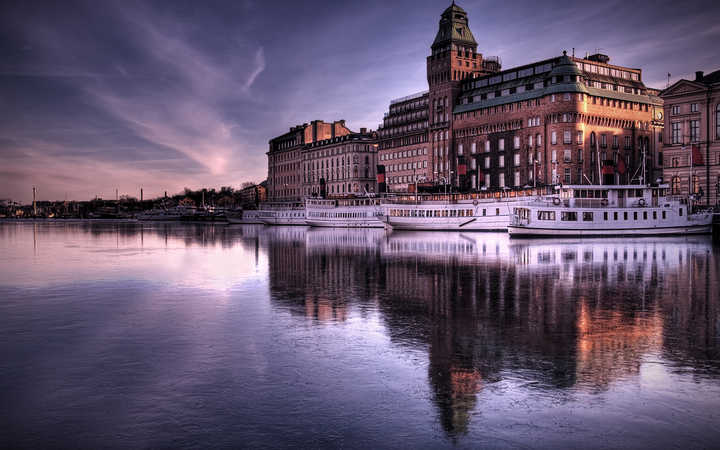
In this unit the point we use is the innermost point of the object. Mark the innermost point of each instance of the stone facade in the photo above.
(285, 157)
(691, 149)
(341, 166)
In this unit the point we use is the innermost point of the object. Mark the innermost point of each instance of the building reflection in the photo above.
(569, 315)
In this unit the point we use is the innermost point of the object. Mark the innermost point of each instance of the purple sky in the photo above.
(98, 95)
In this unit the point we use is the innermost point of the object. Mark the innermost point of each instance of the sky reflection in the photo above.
(388, 339)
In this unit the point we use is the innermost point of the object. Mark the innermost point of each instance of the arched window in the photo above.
(675, 185)
(593, 142)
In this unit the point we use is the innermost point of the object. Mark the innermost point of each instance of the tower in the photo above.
(453, 58)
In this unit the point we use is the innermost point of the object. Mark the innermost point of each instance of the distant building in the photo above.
(251, 196)
(692, 137)
(559, 120)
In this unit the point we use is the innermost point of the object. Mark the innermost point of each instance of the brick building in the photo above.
(692, 137)
(560, 120)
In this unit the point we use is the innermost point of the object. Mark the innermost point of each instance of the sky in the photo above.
(161, 95)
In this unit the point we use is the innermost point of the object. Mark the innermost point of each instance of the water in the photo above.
(249, 336)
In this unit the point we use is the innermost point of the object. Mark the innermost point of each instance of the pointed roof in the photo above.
(454, 27)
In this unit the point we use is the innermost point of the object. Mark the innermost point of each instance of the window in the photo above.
(501, 144)
(675, 133)
(517, 179)
(588, 216)
(579, 137)
(501, 160)
(567, 157)
(675, 186)
(693, 107)
(675, 110)
(593, 142)
(695, 184)
(516, 142)
(567, 176)
(546, 215)
(615, 142)
(538, 139)
(554, 156)
(487, 162)
(487, 146)
(568, 216)
(627, 142)
(694, 131)
(553, 138)
(473, 148)
(530, 141)
(501, 180)
(603, 140)
(516, 159)
(567, 137)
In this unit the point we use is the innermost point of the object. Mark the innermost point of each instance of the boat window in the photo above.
(497, 211)
(615, 215)
(587, 216)
(644, 215)
(625, 216)
(635, 215)
(680, 213)
(664, 215)
(568, 216)
(605, 215)
(484, 212)
(546, 215)
(654, 215)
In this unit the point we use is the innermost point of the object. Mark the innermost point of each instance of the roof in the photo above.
(454, 27)
(556, 89)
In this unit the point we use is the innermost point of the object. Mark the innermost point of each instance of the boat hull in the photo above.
(345, 223)
(482, 223)
(521, 231)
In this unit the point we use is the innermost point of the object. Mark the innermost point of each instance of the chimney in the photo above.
(699, 75)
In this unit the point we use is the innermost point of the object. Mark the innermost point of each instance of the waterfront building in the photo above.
(285, 157)
(559, 120)
(691, 140)
(251, 196)
(341, 165)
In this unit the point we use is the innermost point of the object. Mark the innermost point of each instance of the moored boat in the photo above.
(282, 213)
(459, 212)
(603, 210)
(344, 213)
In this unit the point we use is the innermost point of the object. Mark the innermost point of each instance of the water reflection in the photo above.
(497, 322)
(574, 315)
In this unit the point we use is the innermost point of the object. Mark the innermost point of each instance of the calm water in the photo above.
(251, 336)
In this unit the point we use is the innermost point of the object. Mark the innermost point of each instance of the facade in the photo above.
(403, 142)
(252, 196)
(561, 120)
(340, 166)
(285, 157)
(691, 149)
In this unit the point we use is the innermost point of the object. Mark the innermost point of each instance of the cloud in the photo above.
(259, 67)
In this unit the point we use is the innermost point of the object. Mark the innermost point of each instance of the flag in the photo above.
(697, 157)
(621, 166)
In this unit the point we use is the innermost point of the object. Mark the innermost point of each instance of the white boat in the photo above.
(622, 210)
(344, 213)
(244, 216)
(285, 213)
(460, 212)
